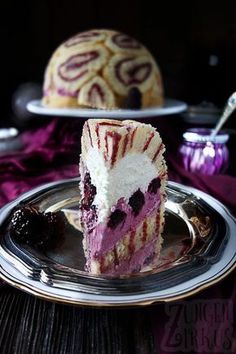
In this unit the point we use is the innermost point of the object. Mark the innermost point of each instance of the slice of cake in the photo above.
(123, 178)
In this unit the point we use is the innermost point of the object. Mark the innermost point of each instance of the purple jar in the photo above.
(202, 154)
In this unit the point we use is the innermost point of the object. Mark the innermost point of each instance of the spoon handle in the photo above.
(230, 107)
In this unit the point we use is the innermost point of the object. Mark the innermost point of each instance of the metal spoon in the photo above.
(229, 108)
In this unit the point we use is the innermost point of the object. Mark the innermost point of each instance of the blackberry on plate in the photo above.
(54, 227)
(32, 227)
(25, 223)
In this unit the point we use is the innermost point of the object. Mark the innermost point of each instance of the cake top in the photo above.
(114, 139)
(98, 68)
(120, 157)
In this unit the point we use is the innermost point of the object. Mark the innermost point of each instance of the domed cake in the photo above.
(100, 69)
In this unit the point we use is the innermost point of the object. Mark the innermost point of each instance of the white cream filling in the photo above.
(132, 172)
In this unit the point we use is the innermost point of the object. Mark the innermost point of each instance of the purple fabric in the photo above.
(221, 187)
(52, 152)
(49, 154)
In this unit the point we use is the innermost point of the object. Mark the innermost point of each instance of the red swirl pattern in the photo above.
(97, 68)
(82, 38)
(64, 92)
(125, 42)
(75, 67)
(134, 75)
(98, 91)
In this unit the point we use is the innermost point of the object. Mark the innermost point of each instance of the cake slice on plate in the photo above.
(123, 178)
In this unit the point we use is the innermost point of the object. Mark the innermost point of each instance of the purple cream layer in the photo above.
(103, 238)
(136, 262)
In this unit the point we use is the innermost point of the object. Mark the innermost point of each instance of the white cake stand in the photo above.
(171, 106)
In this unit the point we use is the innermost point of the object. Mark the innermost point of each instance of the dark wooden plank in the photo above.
(31, 325)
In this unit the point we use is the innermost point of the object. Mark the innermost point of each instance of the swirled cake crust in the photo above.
(98, 68)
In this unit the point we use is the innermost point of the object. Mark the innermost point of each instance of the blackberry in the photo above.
(32, 227)
(116, 218)
(154, 185)
(136, 201)
(25, 224)
(134, 99)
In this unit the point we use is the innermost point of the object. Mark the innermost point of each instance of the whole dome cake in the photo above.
(100, 69)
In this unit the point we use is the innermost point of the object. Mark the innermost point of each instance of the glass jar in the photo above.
(202, 154)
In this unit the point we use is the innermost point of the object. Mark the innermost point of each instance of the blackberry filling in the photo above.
(136, 201)
(149, 258)
(91, 218)
(154, 185)
(89, 191)
(116, 218)
(89, 211)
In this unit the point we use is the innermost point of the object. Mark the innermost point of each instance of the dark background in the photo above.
(193, 42)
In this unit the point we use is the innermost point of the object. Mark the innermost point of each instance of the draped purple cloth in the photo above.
(221, 187)
(51, 153)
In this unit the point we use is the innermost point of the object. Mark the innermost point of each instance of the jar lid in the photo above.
(8, 133)
(201, 135)
(9, 139)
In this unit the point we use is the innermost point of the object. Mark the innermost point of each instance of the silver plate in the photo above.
(199, 250)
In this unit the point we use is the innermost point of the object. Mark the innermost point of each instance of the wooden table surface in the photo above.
(29, 325)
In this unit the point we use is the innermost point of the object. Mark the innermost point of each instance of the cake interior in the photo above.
(123, 178)
(131, 235)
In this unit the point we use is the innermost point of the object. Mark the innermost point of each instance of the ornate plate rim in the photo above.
(7, 271)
